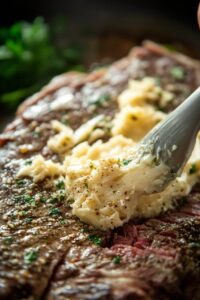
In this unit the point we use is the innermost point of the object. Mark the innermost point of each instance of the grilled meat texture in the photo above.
(46, 252)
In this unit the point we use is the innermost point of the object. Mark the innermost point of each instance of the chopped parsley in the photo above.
(193, 169)
(96, 240)
(62, 222)
(20, 182)
(61, 195)
(177, 72)
(25, 199)
(60, 184)
(30, 256)
(170, 47)
(125, 162)
(117, 259)
(53, 200)
(18, 199)
(158, 81)
(22, 213)
(194, 245)
(101, 100)
(28, 162)
(29, 199)
(65, 120)
(55, 211)
(8, 240)
(36, 134)
(43, 199)
(28, 220)
(57, 196)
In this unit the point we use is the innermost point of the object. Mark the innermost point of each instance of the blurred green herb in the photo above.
(117, 259)
(193, 169)
(20, 182)
(170, 47)
(125, 162)
(31, 256)
(60, 184)
(177, 72)
(55, 212)
(8, 241)
(29, 58)
(95, 239)
(100, 100)
(28, 162)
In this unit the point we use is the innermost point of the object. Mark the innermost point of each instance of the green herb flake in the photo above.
(65, 120)
(193, 169)
(158, 81)
(28, 220)
(60, 184)
(30, 256)
(117, 259)
(20, 182)
(29, 199)
(170, 47)
(55, 212)
(28, 162)
(57, 196)
(22, 213)
(96, 240)
(61, 195)
(195, 245)
(101, 100)
(43, 199)
(18, 199)
(36, 134)
(177, 72)
(125, 162)
(8, 240)
(62, 222)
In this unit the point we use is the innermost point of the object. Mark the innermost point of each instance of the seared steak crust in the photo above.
(45, 252)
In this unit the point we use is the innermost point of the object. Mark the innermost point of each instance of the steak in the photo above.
(46, 252)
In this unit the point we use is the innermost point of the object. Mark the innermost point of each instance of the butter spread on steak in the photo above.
(111, 183)
(46, 252)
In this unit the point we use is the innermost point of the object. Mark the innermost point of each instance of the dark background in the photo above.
(107, 29)
(96, 21)
(181, 11)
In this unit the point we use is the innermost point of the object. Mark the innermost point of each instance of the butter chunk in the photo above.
(136, 122)
(108, 194)
(142, 92)
(63, 140)
(40, 169)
